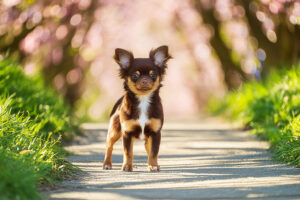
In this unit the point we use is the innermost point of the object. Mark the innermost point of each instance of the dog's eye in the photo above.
(135, 76)
(153, 75)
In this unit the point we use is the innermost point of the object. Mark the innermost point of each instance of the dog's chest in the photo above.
(143, 107)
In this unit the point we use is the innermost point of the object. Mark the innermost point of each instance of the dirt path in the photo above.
(198, 161)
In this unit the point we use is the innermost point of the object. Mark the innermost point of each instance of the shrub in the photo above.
(272, 109)
(33, 121)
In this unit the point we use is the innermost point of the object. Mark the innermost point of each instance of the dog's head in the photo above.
(142, 75)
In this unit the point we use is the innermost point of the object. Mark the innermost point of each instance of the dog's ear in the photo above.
(160, 56)
(123, 58)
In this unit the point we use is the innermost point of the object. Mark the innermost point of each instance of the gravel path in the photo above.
(198, 161)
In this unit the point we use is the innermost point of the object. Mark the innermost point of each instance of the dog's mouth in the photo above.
(144, 89)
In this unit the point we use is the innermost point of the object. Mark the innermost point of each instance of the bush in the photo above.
(272, 109)
(33, 121)
(17, 178)
(33, 99)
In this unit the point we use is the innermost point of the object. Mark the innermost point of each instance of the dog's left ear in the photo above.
(160, 56)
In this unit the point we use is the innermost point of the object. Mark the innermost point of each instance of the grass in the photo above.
(33, 122)
(271, 108)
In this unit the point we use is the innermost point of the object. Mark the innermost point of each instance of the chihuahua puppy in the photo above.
(139, 113)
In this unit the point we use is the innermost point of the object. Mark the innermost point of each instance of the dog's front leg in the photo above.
(152, 147)
(128, 141)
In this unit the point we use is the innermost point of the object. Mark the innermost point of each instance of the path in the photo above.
(198, 161)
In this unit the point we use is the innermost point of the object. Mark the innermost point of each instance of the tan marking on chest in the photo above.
(129, 125)
(154, 124)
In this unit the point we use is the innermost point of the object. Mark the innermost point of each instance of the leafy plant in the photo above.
(272, 109)
(33, 121)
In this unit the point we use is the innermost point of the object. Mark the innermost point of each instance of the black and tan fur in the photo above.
(139, 112)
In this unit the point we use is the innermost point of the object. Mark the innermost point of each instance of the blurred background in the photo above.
(217, 45)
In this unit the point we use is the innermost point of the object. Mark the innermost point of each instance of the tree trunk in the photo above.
(232, 72)
(286, 49)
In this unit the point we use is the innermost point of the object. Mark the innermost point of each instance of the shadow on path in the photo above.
(196, 164)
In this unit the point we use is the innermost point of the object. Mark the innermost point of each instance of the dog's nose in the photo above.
(144, 82)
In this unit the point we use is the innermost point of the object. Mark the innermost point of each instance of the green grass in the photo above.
(271, 108)
(33, 121)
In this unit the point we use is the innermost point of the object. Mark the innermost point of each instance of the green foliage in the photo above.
(17, 178)
(272, 109)
(33, 121)
(30, 97)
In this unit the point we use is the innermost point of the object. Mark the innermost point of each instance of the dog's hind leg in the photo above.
(114, 133)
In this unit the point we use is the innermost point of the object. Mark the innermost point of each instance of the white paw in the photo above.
(153, 168)
(126, 169)
(107, 167)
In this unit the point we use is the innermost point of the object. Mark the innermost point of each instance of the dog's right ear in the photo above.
(123, 58)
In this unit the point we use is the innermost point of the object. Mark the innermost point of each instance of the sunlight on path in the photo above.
(198, 161)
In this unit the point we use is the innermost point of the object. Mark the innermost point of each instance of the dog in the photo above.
(139, 113)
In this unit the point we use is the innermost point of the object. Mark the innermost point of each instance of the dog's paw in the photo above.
(107, 166)
(127, 168)
(154, 168)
